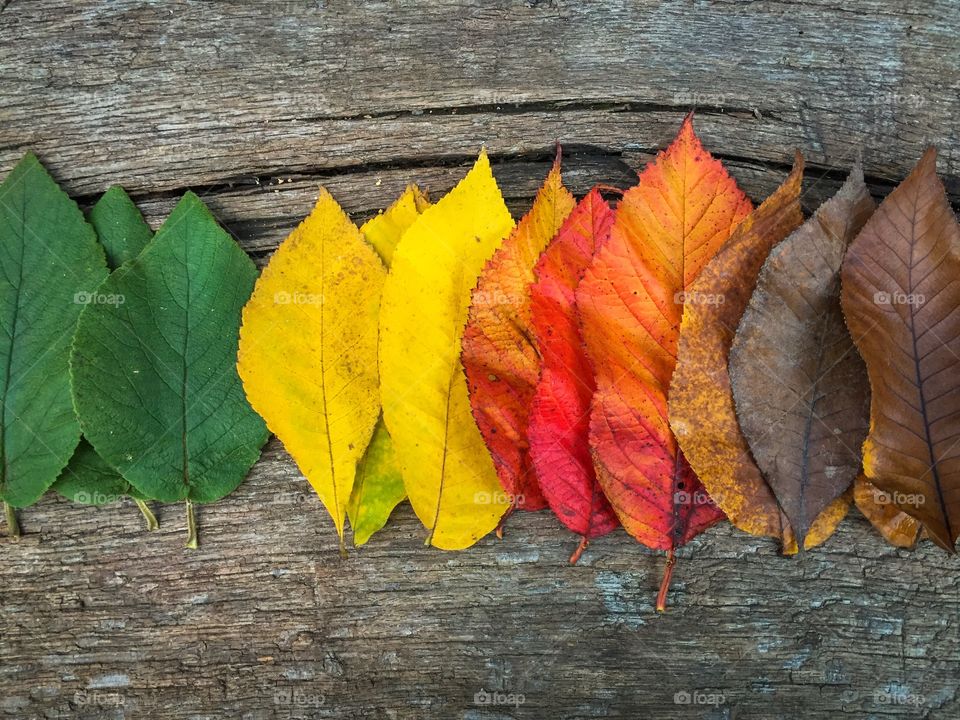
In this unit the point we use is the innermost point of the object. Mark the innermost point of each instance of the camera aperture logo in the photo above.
(482, 697)
(698, 697)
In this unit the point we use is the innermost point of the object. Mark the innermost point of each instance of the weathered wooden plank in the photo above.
(95, 611)
(166, 95)
(100, 620)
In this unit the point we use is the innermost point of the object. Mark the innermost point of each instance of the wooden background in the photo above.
(252, 105)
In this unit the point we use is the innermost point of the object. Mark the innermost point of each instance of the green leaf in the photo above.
(88, 479)
(50, 264)
(155, 379)
(120, 227)
(378, 487)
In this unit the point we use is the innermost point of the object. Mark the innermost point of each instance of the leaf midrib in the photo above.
(911, 310)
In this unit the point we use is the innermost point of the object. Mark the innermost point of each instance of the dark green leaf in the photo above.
(120, 227)
(154, 371)
(50, 266)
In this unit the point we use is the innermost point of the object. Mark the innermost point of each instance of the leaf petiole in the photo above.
(148, 515)
(579, 551)
(192, 541)
(665, 583)
(13, 527)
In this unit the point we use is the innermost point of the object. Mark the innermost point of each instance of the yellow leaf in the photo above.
(385, 230)
(449, 476)
(378, 487)
(308, 349)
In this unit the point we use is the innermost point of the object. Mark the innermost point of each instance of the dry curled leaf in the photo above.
(800, 387)
(901, 300)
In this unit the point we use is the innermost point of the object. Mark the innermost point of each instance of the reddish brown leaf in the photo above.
(901, 299)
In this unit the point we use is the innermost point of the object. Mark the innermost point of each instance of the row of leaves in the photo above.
(656, 366)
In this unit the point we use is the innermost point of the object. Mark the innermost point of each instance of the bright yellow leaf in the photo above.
(378, 487)
(449, 476)
(308, 349)
(385, 230)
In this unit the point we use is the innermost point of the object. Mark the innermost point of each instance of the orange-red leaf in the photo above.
(499, 356)
(560, 414)
(630, 302)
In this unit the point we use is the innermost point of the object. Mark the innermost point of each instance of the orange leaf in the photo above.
(499, 355)
(630, 302)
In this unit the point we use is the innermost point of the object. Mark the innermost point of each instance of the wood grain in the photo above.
(253, 105)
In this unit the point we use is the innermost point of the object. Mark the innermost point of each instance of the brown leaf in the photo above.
(890, 521)
(800, 387)
(901, 299)
(701, 403)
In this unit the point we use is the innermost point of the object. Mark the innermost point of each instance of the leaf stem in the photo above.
(665, 583)
(13, 527)
(343, 548)
(192, 541)
(148, 515)
(508, 513)
(579, 551)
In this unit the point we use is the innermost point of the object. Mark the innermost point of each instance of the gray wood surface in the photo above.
(253, 105)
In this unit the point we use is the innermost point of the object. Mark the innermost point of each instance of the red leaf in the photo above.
(560, 415)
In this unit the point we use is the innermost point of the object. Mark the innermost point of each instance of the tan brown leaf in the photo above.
(702, 410)
(800, 387)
